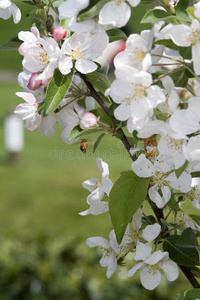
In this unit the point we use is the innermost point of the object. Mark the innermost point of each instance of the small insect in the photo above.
(84, 145)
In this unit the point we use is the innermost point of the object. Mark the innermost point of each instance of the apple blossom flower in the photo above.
(8, 9)
(78, 48)
(184, 36)
(109, 258)
(116, 13)
(98, 190)
(161, 178)
(151, 266)
(59, 33)
(42, 57)
(135, 236)
(135, 54)
(28, 112)
(133, 91)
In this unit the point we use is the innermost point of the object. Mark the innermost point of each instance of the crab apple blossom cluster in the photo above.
(151, 103)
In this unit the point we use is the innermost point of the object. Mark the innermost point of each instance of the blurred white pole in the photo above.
(14, 136)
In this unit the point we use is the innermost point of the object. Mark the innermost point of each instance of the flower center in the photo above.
(194, 37)
(77, 54)
(194, 193)
(137, 56)
(138, 91)
(44, 58)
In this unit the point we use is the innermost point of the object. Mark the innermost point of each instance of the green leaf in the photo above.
(185, 52)
(116, 35)
(74, 133)
(93, 11)
(181, 7)
(193, 294)
(96, 144)
(167, 43)
(187, 239)
(195, 218)
(78, 132)
(39, 14)
(126, 197)
(179, 77)
(57, 90)
(155, 15)
(104, 118)
(12, 44)
(180, 170)
(173, 204)
(195, 174)
(184, 256)
(99, 81)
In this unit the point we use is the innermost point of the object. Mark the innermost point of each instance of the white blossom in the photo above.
(8, 9)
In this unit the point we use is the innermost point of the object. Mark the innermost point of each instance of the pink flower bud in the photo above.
(88, 120)
(59, 33)
(34, 83)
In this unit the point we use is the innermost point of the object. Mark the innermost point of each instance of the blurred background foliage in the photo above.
(42, 237)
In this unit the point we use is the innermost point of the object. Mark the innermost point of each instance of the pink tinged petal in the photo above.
(85, 66)
(155, 95)
(142, 167)
(98, 241)
(179, 33)
(151, 232)
(28, 97)
(115, 15)
(150, 278)
(142, 251)
(132, 271)
(25, 111)
(36, 32)
(90, 184)
(65, 65)
(170, 269)
(47, 126)
(184, 121)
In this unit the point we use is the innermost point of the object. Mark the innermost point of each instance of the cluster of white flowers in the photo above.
(147, 95)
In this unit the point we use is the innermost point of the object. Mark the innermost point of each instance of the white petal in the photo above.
(142, 167)
(170, 269)
(98, 241)
(85, 66)
(151, 232)
(195, 57)
(178, 34)
(150, 278)
(142, 251)
(132, 271)
(47, 126)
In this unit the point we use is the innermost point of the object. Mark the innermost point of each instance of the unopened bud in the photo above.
(59, 33)
(88, 120)
(34, 83)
